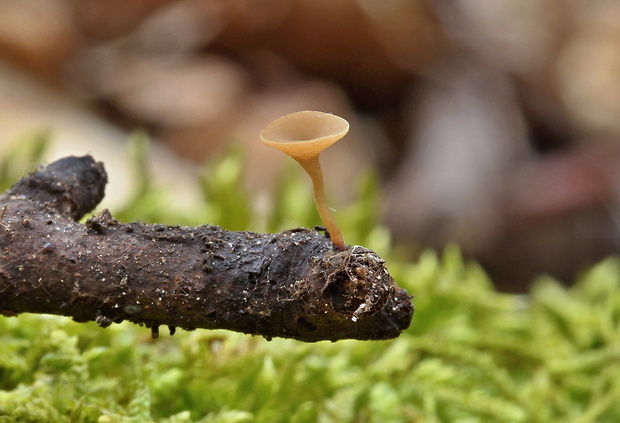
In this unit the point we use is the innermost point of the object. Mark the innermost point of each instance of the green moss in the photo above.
(471, 355)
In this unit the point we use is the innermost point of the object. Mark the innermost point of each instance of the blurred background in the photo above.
(492, 124)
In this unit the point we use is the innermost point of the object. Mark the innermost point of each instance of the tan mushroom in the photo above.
(303, 136)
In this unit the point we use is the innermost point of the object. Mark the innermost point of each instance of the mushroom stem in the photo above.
(313, 167)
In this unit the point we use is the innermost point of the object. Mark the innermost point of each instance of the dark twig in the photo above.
(291, 284)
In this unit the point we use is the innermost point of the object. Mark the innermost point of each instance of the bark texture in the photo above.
(292, 284)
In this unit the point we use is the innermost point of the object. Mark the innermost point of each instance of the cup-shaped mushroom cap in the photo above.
(303, 135)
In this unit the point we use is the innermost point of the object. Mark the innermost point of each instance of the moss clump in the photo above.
(471, 355)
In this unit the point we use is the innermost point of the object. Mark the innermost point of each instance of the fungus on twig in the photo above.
(303, 136)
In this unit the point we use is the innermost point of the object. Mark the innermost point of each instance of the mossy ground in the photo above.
(471, 354)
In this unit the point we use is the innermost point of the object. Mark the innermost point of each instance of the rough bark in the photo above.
(291, 284)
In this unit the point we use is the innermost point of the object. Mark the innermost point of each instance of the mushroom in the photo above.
(303, 136)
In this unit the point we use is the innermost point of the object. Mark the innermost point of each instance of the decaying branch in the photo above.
(291, 284)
